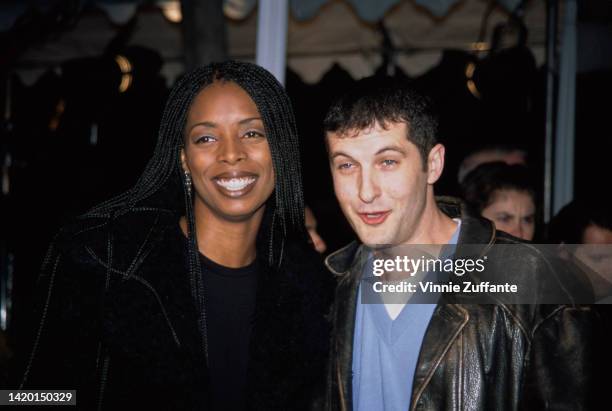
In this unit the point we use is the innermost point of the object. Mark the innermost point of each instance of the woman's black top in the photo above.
(230, 308)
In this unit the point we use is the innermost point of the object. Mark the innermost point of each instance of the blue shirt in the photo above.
(386, 352)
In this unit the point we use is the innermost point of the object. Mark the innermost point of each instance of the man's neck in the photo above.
(434, 226)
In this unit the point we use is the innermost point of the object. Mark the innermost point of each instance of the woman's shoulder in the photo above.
(93, 237)
(92, 228)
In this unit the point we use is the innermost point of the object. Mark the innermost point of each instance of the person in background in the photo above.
(311, 226)
(585, 228)
(489, 154)
(505, 194)
(582, 222)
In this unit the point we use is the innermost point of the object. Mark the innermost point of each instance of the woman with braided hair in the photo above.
(195, 289)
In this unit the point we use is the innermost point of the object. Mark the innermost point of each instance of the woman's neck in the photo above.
(228, 243)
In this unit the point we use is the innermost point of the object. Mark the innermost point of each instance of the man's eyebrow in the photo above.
(338, 154)
(382, 150)
(391, 148)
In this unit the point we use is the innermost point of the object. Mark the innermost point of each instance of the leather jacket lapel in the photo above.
(345, 328)
(449, 319)
(446, 324)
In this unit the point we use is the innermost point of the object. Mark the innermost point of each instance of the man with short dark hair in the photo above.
(385, 159)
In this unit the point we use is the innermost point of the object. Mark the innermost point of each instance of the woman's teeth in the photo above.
(235, 184)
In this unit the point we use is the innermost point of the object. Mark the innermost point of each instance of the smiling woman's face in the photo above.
(227, 154)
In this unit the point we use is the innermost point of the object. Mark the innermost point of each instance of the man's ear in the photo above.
(435, 163)
(184, 161)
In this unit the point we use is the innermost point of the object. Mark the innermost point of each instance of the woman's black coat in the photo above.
(119, 324)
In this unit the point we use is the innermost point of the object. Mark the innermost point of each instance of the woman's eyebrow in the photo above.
(211, 124)
(208, 124)
(503, 214)
(249, 120)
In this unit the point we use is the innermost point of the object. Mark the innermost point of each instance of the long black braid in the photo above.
(163, 178)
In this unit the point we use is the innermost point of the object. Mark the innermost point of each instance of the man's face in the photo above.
(379, 182)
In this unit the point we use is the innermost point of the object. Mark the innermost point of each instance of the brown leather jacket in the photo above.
(477, 356)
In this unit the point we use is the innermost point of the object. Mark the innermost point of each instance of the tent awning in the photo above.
(120, 11)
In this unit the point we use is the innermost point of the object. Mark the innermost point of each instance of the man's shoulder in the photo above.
(540, 274)
(526, 319)
(515, 251)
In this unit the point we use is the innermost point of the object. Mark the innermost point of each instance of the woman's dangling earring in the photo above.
(188, 182)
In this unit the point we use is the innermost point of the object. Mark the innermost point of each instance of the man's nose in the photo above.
(369, 188)
(232, 151)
